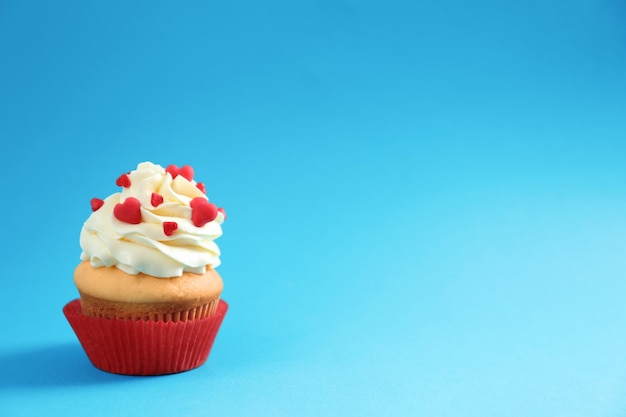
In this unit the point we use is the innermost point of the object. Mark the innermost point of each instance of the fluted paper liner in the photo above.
(137, 347)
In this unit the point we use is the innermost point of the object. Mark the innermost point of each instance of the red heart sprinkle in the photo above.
(187, 172)
(202, 211)
(221, 210)
(129, 211)
(169, 228)
(96, 203)
(156, 199)
(201, 187)
(123, 181)
(173, 170)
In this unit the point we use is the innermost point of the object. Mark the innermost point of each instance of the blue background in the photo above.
(426, 200)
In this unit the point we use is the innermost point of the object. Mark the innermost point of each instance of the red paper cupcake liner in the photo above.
(137, 347)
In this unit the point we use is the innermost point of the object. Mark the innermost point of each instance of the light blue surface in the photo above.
(426, 200)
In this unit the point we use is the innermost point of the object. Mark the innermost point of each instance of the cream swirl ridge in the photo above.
(160, 224)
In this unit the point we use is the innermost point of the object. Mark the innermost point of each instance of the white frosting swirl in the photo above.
(144, 247)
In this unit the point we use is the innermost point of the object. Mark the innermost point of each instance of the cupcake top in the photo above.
(160, 224)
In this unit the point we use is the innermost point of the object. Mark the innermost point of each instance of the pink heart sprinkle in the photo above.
(169, 228)
(129, 211)
(96, 203)
(186, 172)
(202, 211)
(201, 187)
(123, 181)
(221, 210)
(172, 170)
(156, 199)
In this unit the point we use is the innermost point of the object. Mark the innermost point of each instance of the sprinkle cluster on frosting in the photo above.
(129, 211)
(122, 228)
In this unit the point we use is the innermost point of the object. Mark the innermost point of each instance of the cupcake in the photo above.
(149, 292)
